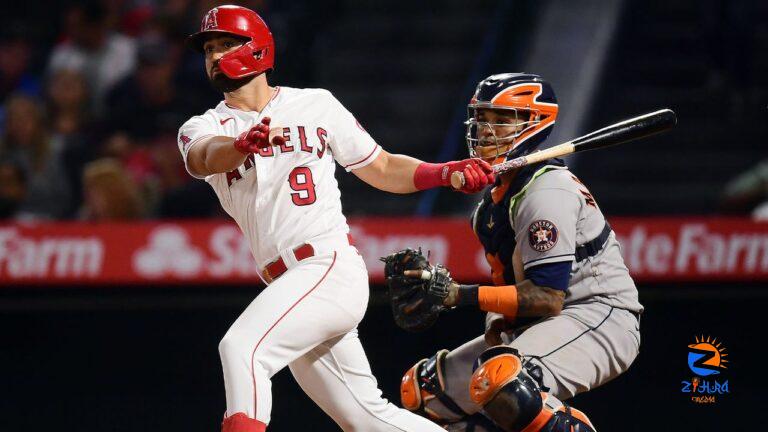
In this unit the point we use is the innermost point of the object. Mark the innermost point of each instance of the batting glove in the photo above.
(257, 138)
(477, 175)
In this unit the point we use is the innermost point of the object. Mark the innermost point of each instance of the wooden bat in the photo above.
(621, 132)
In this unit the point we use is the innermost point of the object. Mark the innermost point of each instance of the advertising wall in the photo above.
(215, 252)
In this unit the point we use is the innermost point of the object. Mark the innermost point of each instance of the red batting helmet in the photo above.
(254, 57)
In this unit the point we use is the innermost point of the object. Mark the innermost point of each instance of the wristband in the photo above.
(467, 295)
(499, 299)
(429, 175)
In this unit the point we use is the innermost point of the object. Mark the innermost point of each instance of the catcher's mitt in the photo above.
(415, 302)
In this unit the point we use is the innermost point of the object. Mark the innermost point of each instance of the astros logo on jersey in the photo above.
(542, 235)
(706, 356)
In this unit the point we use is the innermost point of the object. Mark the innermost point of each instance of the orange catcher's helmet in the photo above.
(256, 56)
(526, 97)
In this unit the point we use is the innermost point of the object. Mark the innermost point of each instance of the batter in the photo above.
(270, 153)
(563, 312)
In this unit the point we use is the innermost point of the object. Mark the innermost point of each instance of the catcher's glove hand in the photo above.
(418, 291)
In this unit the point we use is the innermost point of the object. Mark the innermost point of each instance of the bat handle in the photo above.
(457, 180)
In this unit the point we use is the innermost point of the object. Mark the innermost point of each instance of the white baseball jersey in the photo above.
(285, 195)
(281, 198)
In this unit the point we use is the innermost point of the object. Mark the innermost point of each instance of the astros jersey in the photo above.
(285, 195)
(546, 215)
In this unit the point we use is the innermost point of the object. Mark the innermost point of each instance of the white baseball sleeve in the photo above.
(191, 133)
(351, 145)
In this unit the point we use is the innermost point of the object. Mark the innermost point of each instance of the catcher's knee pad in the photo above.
(514, 401)
(424, 382)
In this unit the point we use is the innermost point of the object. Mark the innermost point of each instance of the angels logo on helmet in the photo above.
(209, 21)
(509, 116)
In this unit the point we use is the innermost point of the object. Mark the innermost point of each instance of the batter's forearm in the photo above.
(390, 173)
(214, 155)
(401, 170)
(404, 174)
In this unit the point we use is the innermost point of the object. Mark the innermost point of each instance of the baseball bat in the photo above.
(624, 131)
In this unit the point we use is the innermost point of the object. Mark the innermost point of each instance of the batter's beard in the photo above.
(225, 84)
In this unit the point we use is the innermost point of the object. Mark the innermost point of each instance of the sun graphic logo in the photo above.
(707, 356)
(707, 360)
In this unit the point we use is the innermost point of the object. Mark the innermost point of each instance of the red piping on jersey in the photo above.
(365, 158)
(253, 353)
(274, 95)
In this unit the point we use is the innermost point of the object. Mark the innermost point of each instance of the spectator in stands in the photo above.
(13, 188)
(72, 127)
(27, 142)
(148, 102)
(15, 56)
(67, 94)
(104, 57)
(145, 111)
(110, 194)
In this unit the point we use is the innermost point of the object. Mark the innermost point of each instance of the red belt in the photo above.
(276, 268)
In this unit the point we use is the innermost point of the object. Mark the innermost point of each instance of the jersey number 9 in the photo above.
(300, 180)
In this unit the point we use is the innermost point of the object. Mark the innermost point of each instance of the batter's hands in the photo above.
(477, 174)
(257, 138)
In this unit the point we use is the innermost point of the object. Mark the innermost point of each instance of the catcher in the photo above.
(563, 313)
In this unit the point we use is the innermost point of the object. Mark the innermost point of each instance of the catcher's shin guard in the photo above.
(424, 382)
(239, 422)
(513, 400)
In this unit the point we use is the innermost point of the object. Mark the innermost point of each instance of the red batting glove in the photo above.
(257, 138)
(477, 175)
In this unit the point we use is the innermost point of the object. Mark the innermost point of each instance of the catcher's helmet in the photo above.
(525, 96)
(254, 57)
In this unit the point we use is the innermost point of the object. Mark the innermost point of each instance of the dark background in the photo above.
(136, 360)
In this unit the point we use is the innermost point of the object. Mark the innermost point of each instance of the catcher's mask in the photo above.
(509, 116)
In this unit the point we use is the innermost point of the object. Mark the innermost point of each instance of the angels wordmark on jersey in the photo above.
(295, 195)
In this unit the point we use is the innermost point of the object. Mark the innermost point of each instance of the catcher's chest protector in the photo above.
(492, 227)
(491, 223)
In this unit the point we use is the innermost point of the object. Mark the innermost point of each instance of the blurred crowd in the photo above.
(92, 94)
(88, 120)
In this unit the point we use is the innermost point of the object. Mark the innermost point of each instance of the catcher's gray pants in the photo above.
(584, 347)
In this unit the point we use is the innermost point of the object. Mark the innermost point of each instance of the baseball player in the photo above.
(269, 154)
(563, 312)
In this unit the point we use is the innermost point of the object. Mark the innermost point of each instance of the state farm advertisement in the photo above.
(215, 252)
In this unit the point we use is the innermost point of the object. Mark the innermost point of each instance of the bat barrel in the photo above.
(628, 130)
